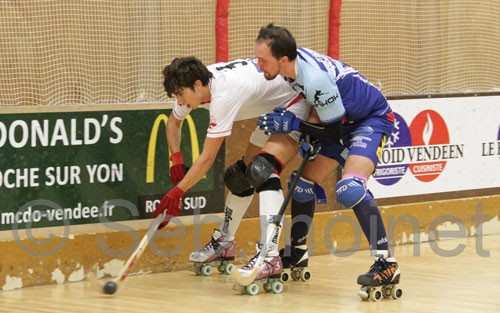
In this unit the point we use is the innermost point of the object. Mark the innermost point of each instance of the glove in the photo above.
(279, 121)
(309, 147)
(178, 169)
(170, 205)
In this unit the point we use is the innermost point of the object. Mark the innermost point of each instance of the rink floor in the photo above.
(431, 283)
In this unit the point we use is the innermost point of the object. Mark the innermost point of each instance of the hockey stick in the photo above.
(273, 228)
(110, 287)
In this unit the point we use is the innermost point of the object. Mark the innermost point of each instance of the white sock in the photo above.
(384, 254)
(270, 202)
(233, 214)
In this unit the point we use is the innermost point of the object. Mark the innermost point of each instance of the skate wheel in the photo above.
(363, 294)
(305, 275)
(396, 293)
(386, 291)
(277, 287)
(220, 268)
(252, 289)
(228, 268)
(285, 277)
(197, 269)
(375, 295)
(295, 275)
(206, 270)
(267, 287)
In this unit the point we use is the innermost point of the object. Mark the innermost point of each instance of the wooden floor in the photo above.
(432, 283)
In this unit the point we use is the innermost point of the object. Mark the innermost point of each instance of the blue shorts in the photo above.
(365, 138)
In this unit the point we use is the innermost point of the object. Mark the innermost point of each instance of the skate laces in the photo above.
(212, 244)
(251, 263)
(379, 265)
(382, 269)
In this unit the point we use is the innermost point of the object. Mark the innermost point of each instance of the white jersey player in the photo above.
(230, 91)
(238, 90)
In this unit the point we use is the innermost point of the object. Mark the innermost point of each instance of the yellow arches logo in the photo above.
(153, 138)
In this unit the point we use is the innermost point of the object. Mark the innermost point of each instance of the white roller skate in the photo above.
(217, 252)
(268, 275)
(381, 281)
(295, 260)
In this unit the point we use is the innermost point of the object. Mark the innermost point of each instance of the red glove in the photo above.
(178, 169)
(171, 204)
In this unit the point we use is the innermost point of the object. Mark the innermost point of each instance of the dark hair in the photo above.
(280, 40)
(183, 73)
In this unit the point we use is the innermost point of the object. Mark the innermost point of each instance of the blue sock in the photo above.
(370, 220)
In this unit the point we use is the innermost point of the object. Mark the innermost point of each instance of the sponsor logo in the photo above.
(317, 100)
(423, 148)
(318, 94)
(188, 203)
(491, 148)
(153, 138)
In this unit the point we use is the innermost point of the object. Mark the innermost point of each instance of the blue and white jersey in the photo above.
(336, 90)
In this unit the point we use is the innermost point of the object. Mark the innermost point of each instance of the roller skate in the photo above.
(381, 281)
(217, 252)
(295, 260)
(268, 276)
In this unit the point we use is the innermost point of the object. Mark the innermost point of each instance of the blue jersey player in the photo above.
(354, 119)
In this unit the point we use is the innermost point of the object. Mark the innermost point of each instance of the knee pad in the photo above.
(303, 191)
(236, 180)
(302, 194)
(350, 191)
(262, 168)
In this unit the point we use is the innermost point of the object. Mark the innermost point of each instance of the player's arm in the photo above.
(178, 168)
(283, 121)
(170, 202)
(174, 134)
(324, 94)
(201, 166)
(321, 131)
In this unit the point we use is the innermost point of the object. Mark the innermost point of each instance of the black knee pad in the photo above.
(237, 181)
(261, 169)
(272, 183)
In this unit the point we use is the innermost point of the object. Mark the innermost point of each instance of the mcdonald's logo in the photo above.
(153, 138)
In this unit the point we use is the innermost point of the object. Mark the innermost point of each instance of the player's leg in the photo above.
(352, 193)
(295, 256)
(265, 172)
(221, 246)
(240, 195)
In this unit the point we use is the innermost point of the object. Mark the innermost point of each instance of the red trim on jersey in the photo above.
(391, 117)
(334, 29)
(295, 99)
(221, 31)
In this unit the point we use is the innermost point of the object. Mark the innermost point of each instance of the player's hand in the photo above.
(309, 147)
(279, 121)
(170, 205)
(178, 168)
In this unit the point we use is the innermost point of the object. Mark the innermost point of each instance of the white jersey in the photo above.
(240, 91)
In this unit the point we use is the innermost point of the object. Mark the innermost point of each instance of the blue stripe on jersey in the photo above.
(302, 57)
(335, 66)
(321, 65)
